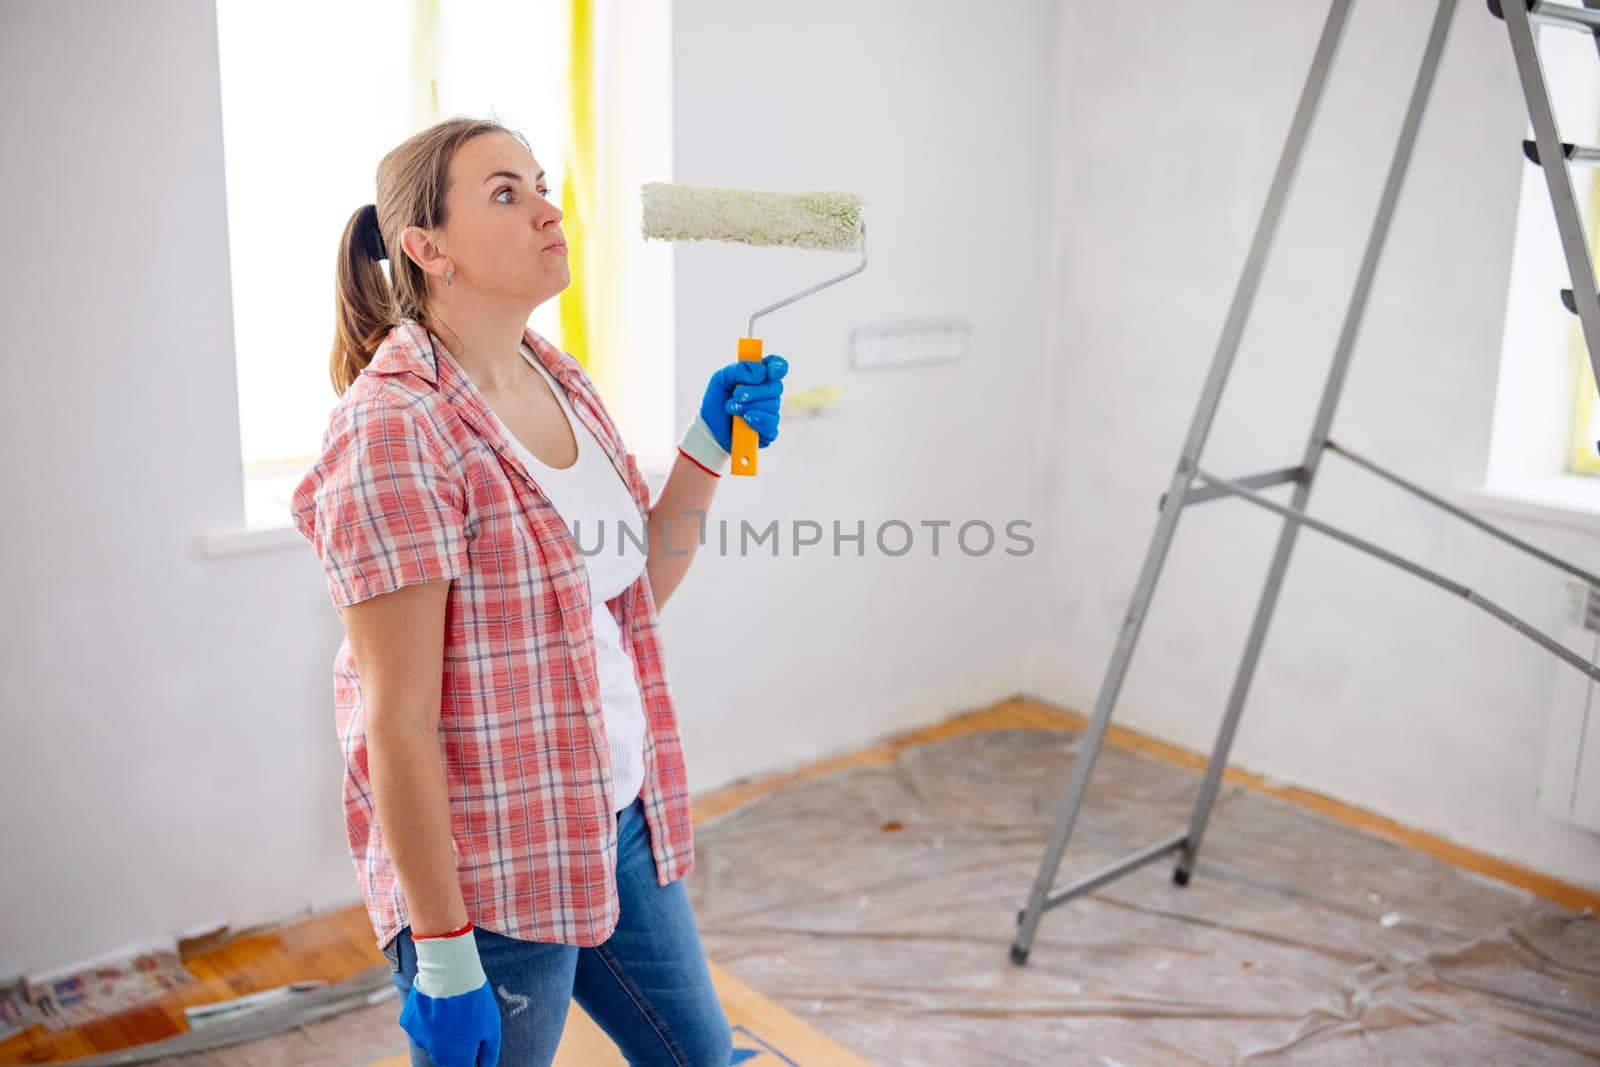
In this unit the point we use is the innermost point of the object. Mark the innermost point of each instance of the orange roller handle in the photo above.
(745, 440)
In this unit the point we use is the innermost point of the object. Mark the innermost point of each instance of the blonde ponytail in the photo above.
(364, 307)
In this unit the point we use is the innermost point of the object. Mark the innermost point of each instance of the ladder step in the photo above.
(1565, 15)
(1100, 878)
(1573, 153)
(1568, 299)
(1198, 493)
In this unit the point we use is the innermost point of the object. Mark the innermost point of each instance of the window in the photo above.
(1585, 458)
(313, 96)
(1541, 454)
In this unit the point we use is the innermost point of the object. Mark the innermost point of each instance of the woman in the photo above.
(515, 796)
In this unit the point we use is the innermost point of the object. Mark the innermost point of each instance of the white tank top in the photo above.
(588, 494)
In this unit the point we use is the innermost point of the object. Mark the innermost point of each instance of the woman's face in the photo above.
(502, 228)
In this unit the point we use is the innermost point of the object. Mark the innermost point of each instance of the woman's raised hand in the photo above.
(749, 389)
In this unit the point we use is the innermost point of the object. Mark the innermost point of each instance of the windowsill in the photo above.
(1571, 500)
(268, 527)
(245, 540)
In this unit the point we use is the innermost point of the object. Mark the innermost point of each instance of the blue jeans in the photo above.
(648, 986)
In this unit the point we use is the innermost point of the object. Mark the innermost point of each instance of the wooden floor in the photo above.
(335, 945)
(758, 1024)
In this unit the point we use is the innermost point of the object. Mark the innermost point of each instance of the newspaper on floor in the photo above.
(93, 989)
(16, 1012)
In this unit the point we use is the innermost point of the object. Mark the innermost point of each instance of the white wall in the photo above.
(1374, 686)
(937, 115)
(169, 755)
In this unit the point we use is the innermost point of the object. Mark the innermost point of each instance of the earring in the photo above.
(448, 274)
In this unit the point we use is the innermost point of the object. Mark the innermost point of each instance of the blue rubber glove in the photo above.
(747, 388)
(451, 1010)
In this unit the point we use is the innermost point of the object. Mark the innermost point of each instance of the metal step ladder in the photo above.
(1191, 484)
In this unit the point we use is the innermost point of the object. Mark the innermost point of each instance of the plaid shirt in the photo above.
(416, 483)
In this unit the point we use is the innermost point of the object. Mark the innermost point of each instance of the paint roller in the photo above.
(823, 219)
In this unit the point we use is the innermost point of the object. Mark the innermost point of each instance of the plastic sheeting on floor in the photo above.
(1298, 941)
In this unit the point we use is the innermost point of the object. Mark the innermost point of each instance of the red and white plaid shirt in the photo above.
(417, 483)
